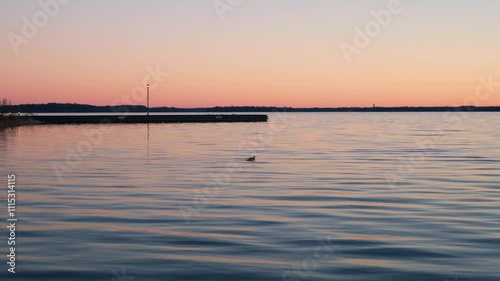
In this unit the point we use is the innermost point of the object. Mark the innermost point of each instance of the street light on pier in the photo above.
(148, 100)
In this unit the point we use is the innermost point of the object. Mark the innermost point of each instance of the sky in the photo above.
(299, 53)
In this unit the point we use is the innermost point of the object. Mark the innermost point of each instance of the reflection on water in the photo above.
(335, 196)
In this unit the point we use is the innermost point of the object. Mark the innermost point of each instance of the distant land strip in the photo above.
(85, 108)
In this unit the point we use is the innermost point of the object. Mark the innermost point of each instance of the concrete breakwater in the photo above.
(96, 119)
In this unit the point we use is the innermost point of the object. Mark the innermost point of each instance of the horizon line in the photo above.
(252, 106)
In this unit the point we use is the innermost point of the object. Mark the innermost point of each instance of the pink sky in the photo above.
(285, 53)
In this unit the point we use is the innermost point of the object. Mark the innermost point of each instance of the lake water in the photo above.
(332, 196)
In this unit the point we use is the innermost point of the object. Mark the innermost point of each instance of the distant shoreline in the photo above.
(27, 114)
(84, 108)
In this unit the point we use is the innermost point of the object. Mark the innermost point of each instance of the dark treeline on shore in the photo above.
(84, 108)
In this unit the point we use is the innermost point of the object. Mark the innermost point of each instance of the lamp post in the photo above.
(148, 100)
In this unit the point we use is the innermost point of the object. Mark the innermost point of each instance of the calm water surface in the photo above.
(332, 196)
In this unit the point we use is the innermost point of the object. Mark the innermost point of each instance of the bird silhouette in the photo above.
(251, 159)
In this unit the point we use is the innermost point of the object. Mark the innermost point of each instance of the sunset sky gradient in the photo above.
(280, 52)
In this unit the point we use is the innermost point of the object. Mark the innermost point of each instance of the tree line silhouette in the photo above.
(85, 108)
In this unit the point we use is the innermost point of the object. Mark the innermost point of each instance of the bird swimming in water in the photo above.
(251, 159)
